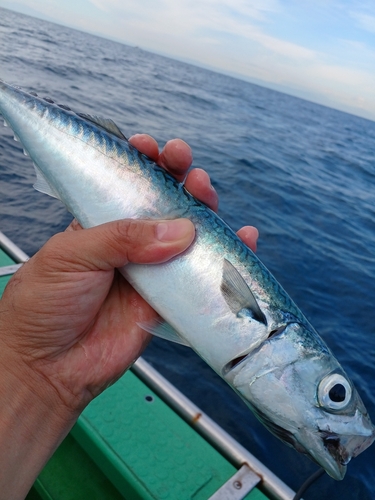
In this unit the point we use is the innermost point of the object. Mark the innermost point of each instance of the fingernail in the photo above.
(173, 230)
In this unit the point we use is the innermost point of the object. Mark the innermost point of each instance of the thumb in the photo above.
(115, 244)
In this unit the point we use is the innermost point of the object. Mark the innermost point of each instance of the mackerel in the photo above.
(216, 297)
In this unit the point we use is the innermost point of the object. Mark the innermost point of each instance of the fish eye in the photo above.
(334, 392)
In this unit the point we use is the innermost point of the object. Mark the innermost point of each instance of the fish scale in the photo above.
(216, 297)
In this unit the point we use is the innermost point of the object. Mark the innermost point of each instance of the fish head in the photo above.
(299, 391)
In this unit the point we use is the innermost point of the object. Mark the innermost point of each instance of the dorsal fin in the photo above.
(237, 293)
(105, 123)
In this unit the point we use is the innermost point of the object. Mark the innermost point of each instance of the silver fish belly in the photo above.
(217, 297)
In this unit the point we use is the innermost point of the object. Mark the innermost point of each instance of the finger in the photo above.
(249, 235)
(176, 157)
(146, 145)
(199, 185)
(115, 244)
(74, 226)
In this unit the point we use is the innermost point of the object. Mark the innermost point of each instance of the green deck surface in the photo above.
(5, 260)
(129, 444)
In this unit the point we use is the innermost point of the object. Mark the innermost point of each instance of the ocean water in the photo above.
(302, 173)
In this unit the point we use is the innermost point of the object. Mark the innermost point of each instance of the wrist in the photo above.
(33, 422)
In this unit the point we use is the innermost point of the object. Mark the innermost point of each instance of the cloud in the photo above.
(255, 9)
(241, 9)
(366, 21)
(218, 21)
(189, 15)
(282, 47)
(341, 75)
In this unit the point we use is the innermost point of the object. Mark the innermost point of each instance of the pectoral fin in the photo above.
(164, 330)
(42, 185)
(237, 293)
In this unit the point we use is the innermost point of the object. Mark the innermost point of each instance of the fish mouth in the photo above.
(340, 450)
(329, 450)
(337, 457)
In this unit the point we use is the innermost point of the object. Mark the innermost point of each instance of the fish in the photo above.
(216, 297)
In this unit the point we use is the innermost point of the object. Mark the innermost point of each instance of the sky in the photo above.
(320, 50)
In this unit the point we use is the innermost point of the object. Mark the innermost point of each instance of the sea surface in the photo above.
(302, 173)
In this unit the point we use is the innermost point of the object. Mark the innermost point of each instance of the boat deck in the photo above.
(130, 444)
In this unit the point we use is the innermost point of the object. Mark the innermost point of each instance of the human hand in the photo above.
(69, 321)
(73, 318)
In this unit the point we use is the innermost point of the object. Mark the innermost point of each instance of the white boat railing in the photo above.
(12, 249)
(211, 431)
